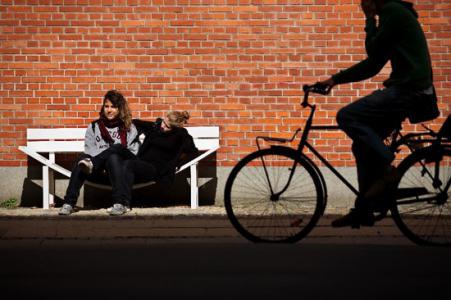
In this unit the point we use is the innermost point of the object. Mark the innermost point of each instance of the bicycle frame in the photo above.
(412, 140)
(304, 143)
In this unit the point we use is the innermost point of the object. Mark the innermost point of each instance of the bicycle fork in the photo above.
(276, 196)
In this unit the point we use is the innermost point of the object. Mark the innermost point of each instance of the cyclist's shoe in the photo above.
(355, 219)
(383, 186)
(86, 166)
(118, 209)
(66, 210)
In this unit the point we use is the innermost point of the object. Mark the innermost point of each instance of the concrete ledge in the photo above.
(159, 223)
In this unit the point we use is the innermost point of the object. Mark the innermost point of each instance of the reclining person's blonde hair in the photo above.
(177, 118)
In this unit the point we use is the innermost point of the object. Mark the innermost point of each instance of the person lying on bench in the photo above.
(108, 142)
(165, 143)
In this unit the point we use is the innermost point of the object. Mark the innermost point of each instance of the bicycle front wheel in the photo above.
(423, 208)
(274, 195)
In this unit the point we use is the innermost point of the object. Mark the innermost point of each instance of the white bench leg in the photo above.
(48, 184)
(45, 187)
(194, 187)
(51, 188)
(51, 181)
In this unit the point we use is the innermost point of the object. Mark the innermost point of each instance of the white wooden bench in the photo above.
(71, 140)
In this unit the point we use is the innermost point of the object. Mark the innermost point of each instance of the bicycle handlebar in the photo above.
(316, 88)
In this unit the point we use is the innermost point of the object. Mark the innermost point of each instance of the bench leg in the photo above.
(45, 187)
(51, 182)
(51, 188)
(194, 187)
(48, 184)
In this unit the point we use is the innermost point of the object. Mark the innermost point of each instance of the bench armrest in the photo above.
(31, 152)
(197, 159)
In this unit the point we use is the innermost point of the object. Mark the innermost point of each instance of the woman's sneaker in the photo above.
(118, 209)
(86, 166)
(66, 210)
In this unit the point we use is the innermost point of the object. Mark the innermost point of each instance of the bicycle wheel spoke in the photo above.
(259, 186)
(269, 191)
(425, 217)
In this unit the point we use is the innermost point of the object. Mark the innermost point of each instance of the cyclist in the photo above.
(393, 34)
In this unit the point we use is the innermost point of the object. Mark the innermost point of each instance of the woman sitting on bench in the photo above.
(165, 143)
(108, 142)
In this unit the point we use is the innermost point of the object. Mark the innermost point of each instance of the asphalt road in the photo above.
(221, 269)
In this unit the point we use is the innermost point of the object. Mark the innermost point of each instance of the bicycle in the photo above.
(278, 194)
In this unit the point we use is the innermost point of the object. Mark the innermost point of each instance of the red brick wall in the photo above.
(239, 64)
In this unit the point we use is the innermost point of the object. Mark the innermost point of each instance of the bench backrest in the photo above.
(72, 139)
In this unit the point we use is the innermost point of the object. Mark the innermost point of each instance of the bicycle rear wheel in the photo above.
(274, 195)
(423, 208)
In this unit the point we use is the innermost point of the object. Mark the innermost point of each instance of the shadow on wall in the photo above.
(155, 195)
(179, 192)
(32, 187)
(31, 194)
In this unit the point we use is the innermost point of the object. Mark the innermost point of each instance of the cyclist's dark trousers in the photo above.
(112, 162)
(368, 121)
(136, 171)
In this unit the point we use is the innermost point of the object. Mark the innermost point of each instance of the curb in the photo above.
(181, 223)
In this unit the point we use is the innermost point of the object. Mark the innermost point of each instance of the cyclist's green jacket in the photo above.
(398, 38)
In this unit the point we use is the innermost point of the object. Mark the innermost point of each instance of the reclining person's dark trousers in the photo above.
(136, 171)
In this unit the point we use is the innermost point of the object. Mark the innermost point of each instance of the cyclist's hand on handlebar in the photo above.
(326, 85)
(321, 87)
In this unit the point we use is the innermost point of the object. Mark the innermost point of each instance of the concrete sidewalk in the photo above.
(164, 223)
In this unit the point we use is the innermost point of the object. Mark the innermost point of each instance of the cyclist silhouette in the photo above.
(393, 34)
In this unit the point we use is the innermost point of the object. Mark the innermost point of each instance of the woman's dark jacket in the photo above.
(162, 149)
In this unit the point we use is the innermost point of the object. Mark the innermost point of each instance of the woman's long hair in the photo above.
(118, 100)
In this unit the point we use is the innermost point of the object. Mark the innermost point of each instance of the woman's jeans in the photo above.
(368, 121)
(110, 160)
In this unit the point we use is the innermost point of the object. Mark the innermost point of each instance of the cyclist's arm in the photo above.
(365, 69)
(378, 42)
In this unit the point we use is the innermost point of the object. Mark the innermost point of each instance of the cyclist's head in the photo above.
(377, 4)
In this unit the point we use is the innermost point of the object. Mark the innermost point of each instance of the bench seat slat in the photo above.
(57, 146)
(203, 132)
(204, 145)
(56, 133)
